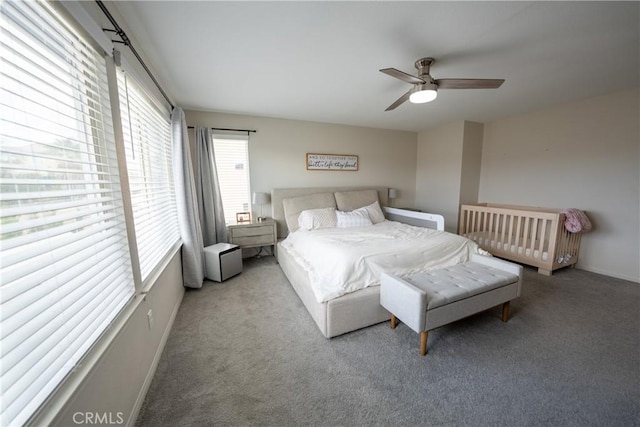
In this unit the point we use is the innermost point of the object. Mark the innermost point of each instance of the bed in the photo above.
(528, 235)
(354, 307)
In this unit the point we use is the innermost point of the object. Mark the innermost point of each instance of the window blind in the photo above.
(147, 140)
(232, 162)
(65, 270)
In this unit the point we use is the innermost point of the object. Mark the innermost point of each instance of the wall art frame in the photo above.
(332, 162)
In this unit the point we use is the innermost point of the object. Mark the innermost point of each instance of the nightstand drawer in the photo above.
(254, 231)
(265, 239)
(254, 234)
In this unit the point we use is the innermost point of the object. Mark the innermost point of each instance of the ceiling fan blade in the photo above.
(469, 83)
(402, 75)
(399, 101)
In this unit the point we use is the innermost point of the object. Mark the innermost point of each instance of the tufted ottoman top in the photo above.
(446, 285)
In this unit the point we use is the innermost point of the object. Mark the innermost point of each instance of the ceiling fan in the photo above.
(425, 88)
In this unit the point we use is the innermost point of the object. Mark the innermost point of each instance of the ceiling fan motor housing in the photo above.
(423, 65)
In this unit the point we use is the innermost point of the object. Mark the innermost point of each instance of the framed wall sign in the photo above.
(332, 162)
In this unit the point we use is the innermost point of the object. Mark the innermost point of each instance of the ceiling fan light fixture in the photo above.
(422, 93)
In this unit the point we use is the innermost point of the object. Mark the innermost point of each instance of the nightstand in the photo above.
(254, 234)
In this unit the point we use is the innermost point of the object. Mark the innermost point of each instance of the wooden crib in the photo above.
(532, 236)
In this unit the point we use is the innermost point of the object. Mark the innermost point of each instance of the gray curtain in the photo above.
(214, 229)
(192, 247)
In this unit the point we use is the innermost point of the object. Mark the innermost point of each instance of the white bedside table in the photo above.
(254, 234)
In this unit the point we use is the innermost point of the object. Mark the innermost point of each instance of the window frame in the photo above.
(84, 103)
(229, 138)
(147, 277)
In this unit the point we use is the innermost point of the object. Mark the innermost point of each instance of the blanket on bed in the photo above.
(343, 260)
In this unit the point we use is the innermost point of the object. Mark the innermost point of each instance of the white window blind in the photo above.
(65, 265)
(232, 163)
(147, 140)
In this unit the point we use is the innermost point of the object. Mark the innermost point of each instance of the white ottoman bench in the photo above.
(426, 301)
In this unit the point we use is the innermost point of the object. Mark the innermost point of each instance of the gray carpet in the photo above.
(246, 353)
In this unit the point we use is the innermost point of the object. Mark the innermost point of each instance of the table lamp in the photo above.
(393, 194)
(261, 199)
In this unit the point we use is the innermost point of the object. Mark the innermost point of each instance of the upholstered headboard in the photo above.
(345, 201)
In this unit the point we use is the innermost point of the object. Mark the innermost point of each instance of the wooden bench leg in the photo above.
(505, 311)
(423, 342)
(393, 321)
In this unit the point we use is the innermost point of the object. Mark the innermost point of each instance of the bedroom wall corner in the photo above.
(583, 154)
(471, 162)
(448, 169)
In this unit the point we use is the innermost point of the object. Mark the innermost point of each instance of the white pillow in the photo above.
(313, 219)
(375, 213)
(357, 218)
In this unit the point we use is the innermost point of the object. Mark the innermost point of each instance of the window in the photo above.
(232, 162)
(147, 139)
(65, 269)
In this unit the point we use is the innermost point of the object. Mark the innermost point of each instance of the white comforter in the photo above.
(343, 260)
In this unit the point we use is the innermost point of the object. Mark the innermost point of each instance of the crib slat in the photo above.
(487, 234)
(510, 236)
(474, 218)
(572, 244)
(518, 233)
(486, 221)
(557, 238)
(563, 244)
(543, 236)
(534, 236)
(496, 229)
(525, 236)
(505, 218)
(576, 248)
(474, 215)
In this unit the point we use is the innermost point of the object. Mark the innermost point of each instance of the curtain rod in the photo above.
(235, 130)
(125, 40)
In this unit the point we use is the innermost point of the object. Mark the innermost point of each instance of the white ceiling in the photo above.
(319, 61)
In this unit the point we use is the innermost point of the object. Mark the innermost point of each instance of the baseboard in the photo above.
(154, 365)
(609, 273)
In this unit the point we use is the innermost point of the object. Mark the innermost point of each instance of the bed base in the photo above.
(337, 316)
(355, 310)
(532, 236)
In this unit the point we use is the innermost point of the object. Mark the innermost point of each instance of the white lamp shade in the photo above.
(261, 198)
(393, 193)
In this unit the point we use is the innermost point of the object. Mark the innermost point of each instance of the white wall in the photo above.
(277, 153)
(583, 154)
(471, 162)
(117, 372)
(448, 169)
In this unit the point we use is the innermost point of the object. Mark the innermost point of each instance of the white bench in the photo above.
(426, 301)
